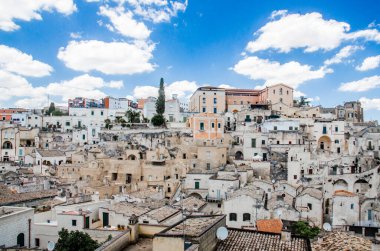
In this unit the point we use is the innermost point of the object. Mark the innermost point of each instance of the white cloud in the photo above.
(108, 58)
(370, 104)
(156, 12)
(184, 89)
(13, 60)
(361, 85)
(369, 63)
(27, 10)
(278, 13)
(309, 31)
(12, 85)
(122, 21)
(35, 102)
(226, 86)
(297, 94)
(75, 35)
(345, 52)
(291, 73)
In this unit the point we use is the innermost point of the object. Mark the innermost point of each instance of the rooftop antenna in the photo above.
(222, 233)
(327, 227)
(50, 246)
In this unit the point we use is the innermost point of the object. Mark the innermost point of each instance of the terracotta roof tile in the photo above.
(269, 226)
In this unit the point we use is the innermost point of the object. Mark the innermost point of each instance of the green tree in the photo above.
(51, 108)
(108, 123)
(303, 229)
(75, 241)
(160, 103)
(303, 101)
(158, 120)
(133, 116)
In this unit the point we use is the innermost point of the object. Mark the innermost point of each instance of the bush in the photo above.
(158, 120)
(75, 240)
(303, 229)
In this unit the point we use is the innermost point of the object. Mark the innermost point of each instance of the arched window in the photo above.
(233, 217)
(246, 217)
(280, 91)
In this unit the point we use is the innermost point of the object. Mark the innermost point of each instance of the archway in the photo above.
(132, 157)
(239, 155)
(340, 185)
(361, 186)
(196, 195)
(324, 143)
(7, 145)
(21, 240)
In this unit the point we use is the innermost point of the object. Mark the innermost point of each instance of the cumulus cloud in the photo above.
(291, 73)
(19, 86)
(27, 10)
(361, 85)
(226, 86)
(184, 89)
(309, 31)
(370, 104)
(369, 63)
(108, 58)
(13, 60)
(122, 22)
(344, 53)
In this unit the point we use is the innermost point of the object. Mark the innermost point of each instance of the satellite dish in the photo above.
(222, 233)
(178, 199)
(327, 227)
(51, 245)
(273, 181)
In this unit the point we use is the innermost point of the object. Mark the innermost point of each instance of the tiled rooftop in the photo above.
(128, 209)
(269, 225)
(51, 153)
(342, 241)
(162, 213)
(248, 240)
(344, 193)
(194, 226)
(8, 196)
(190, 203)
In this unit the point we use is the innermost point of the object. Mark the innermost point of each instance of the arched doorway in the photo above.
(131, 157)
(324, 143)
(340, 185)
(361, 186)
(239, 155)
(21, 240)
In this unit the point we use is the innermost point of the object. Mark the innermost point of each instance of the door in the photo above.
(105, 219)
(369, 214)
(21, 240)
(87, 224)
(196, 184)
(264, 156)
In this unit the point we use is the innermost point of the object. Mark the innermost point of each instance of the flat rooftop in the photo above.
(193, 226)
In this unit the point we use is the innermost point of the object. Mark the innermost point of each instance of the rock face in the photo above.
(341, 241)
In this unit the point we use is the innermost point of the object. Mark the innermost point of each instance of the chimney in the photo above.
(286, 236)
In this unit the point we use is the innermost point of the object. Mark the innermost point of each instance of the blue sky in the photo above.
(328, 51)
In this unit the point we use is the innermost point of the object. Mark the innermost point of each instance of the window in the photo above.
(246, 217)
(215, 100)
(101, 113)
(290, 128)
(295, 177)
(213, 125)
(92, 112)
(253, 143)
(324, 130)
(204, 109)
(233, 217)
(310, 206)
(337, 141)
(37, 242)
(336, 128)
(67, 123)
(83, 137)
(208, 166)
(280, 91)
(218, 125)
(204, 100)
(202, 126)
(263, 142)
(215, 110)
(275, 128)
(352, 206)
(74, 222)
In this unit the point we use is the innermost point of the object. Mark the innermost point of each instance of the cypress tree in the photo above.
(160, 103)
